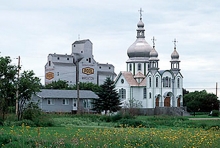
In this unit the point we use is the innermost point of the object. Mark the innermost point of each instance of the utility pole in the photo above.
(17, 85)
(77, 85)
(216, 91)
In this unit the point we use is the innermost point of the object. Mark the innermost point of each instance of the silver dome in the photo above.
(175, 54)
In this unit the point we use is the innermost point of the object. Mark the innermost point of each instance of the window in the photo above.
(122, 81)
(65, 101)
(49, 63)
(149, 81)
(122, 93)
(130, 67)
(100, 67)
(50, 101)
(58, 73)
(58, 58)
(150, 95)
(178, 83)
(74, 45)
(139, 66)
(81, 51)
(89, 60)
(109, 68)
(157, 82)
(166, 82)
(67, 58)
(145, 93)
(85, 103)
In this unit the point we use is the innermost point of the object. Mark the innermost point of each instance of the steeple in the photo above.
(153, 61)
(140, 25)
(175, 59)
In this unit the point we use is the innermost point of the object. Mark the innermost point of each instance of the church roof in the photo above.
(139, 75)
(130, 79)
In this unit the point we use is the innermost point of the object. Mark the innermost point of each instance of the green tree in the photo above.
(108, 98)
(87, 86)
(28, 85)
(7, 84)
(201, 101)
(60, 84)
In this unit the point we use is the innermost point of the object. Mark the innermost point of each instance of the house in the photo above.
(53, 100)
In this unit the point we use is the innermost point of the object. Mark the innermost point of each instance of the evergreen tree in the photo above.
(108, 98)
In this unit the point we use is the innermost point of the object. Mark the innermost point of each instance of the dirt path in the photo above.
(204, 118)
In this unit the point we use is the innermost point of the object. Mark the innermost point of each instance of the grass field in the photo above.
(88, 131)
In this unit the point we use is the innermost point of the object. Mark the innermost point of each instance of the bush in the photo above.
(215, 113)
(131, 123)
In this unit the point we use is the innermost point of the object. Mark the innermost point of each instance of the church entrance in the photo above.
(157, 102)
(167, 102)
(178, 102)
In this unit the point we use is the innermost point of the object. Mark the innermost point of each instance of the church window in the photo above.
(100, 67)
(109, 68)
(67, 58)
(130, 67)
(89, 60)
(122, 93)
(178, 83)
(145, 93)
(58, 58)
(139, 66)
(74, 45)
(169, 82)
(49, 63)
(157, 82)
(58, 73)
(122, 81)
(81, 51)
(149, 81)
(150, 95)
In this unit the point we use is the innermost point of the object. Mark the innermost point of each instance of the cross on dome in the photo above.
(140, 13)
(175, 41)
(153, 41)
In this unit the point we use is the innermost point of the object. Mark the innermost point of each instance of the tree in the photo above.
(28, 85)
(60, 84)
(7, 84)
(108, 98)
(87, 86)
(201, 101)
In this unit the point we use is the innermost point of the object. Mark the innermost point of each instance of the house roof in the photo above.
(57, 93)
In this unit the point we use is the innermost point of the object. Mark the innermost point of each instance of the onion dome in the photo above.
(140, 49)
(175, 55)
(153, 53)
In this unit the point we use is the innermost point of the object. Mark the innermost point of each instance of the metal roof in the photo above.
(57, 93)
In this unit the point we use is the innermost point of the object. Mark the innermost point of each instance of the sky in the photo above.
(33, 29)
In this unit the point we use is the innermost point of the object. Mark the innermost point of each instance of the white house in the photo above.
(144, 82)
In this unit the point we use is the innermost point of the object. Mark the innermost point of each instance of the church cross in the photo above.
(153, 41)
(175, 41)
(140, 13)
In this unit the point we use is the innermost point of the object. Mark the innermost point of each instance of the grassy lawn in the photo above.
(92, 131)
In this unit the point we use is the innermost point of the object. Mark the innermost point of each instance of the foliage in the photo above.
(215, 113)
(87, 86)
(201, 101)
(7, 84)
(27, 86)
(108, 98)
(60, 84)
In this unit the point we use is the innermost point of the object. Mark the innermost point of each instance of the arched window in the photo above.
(157, 82)
(145, 93)
(178, 83)
(139, 66)
(122, 93)
(149, 81)
(130, 67)
(150, 95)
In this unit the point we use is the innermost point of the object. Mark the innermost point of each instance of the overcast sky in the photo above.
(33, 29)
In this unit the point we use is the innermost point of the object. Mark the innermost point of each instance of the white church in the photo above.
(144, 82)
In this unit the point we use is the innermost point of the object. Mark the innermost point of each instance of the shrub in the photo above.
(131, 123)
(215, 113)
